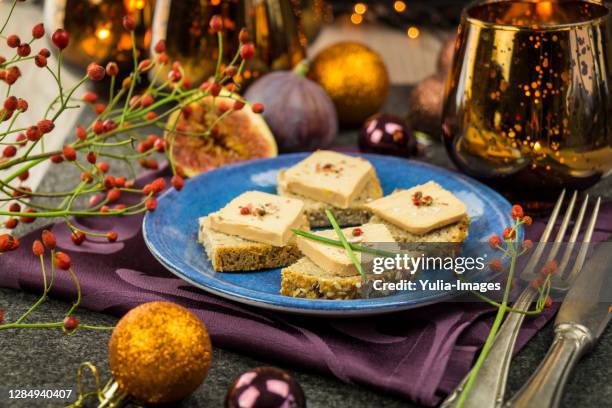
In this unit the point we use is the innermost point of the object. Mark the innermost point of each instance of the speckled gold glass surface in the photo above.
(159, 352)
(271, 23)
(528, 101)
(96, 32)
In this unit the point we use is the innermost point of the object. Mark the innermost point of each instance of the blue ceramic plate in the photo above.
(171, 232)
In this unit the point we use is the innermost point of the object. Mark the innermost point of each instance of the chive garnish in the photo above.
(345, 244)
(334, 242)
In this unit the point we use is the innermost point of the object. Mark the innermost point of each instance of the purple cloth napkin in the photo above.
(419, 354)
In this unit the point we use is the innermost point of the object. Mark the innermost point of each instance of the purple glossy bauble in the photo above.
(385, 133)
(265, 387)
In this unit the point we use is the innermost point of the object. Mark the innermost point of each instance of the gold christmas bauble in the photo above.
(356, 79)
(159, 352)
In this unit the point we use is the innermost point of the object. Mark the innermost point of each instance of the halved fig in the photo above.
(241, 135)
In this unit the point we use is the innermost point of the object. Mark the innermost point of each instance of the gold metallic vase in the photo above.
(528, 105)
(271, 23)
(96, 32)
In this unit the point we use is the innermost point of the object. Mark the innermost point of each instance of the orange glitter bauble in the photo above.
(355, 77)
(159, 352)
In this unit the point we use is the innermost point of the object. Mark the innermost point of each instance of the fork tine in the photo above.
(537, 254)
(572, 241)
(563, 228)
(584, 248)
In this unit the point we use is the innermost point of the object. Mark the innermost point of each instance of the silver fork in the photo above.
(490, 386)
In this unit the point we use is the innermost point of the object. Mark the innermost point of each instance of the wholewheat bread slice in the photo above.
(304, 279)
(356, 214)
(456, 232)
(229, 253)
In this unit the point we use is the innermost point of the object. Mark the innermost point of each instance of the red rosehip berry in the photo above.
(48, 238)
(160, 46)
(22, 105)
(45, 126)
(517, 211)
(549, 268)
(95, 72)
(158, 185)
(527, 220)
(537, 283)
(44, 52)
(509, 233)
(109, 125)
(104, 209)
(11, 223)
(86, 177)
(147, 100)
(14, 207)
(151, 204)
(24, 50)
(94, 200)
(163, 58)
(495, 265)
(57, 159)
(247, 51)
(238, 104)
(92, 157)
(548, 302)
(174, 75)
(62, 261)
(99, 108)
(244, 36)
(128, 23)
(71, 323)
(103, 167)
(215, 89)
(216, 23)
(38, 31)
(9, 151)
(177, 182)
(33, 133)
(527, 244)
(98, 127)
(40, 61)
(21, 139)
(69, 153)
(113, 195)
(120, 182)
(10, 103)
(90, 97)
(60, 38)
(112, 236)
(77, 237)
(37, 248)
(81, 133)
(144, 65)
(112, 69)
(24, 175)
(13, 41)
(160, 145)
(26, 219)
(257, 107)
(8, 243)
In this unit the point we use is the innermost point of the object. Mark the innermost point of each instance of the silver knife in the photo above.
(583, 316)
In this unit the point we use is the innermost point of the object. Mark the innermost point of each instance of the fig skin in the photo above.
(299, 112)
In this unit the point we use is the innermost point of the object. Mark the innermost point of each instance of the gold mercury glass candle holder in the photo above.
(528, 104)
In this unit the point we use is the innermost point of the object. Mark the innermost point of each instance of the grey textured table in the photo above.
(43, 358)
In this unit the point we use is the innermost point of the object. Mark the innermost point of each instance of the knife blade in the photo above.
(589, 299)
(582, 318)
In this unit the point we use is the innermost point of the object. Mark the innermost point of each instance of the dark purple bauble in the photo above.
(265, 387)
(384, 133)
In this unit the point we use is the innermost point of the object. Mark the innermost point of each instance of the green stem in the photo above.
(345, 243)
(42, 297)
(354, 247)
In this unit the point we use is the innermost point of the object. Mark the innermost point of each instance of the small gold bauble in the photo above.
(159, 352)
(356, 79)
